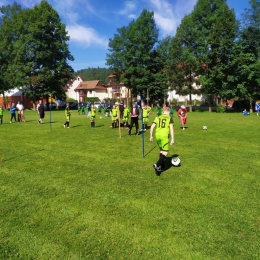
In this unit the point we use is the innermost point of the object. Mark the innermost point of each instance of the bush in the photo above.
(220, 108)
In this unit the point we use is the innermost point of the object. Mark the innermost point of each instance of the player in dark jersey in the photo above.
(41, 111)
(164, 127)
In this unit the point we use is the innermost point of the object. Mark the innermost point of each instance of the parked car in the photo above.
(73, 105)
(96, 104)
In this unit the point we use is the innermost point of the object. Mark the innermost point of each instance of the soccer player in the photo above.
(171, 111)
(126, 116)
(79, 108)
(92, 115)
(245, 112)
(114, 112)
(82, 109)
(164, 127)
(159, 109)
(99, 109)
(146, 113)
(67, 114)
(182, 114)
(1, 114)
(257, 108)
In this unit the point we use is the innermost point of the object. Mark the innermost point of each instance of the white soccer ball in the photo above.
(100, 117)
(204, 127)
(176, 161)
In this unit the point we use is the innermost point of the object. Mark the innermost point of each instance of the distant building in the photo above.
(13, 96)
(92, 88)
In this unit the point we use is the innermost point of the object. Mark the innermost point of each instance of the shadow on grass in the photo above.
(168, 162)
(75, 126)
(150, 151)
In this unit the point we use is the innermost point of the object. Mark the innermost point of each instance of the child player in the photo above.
(114, 116)
(182, 114)
(126, 116)
(99, 109)
(79, 109)
(146, 113)
(164, 127)
(83, 110)
(67, 115)
(92, 116)
(1, 114)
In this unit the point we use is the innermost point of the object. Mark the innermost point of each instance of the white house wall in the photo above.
(71, 93)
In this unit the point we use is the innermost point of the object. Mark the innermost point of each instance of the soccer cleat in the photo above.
(64, 126)
(157, 171)
(68, 127)
(183, 128)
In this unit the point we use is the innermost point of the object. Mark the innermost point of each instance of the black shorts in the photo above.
(42, 115)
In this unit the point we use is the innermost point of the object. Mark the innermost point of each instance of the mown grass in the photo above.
(83, 193)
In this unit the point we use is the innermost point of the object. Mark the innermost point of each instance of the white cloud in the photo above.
(129, 6)
(168, 15)
(132, 16)
(167, 25)
(86, 36)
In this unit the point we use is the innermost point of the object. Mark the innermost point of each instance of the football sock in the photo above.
(160, 162)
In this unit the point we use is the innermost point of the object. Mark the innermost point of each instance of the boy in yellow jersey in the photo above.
(1, 114)
(164, 127)
(114, 112)
(92, 116)
(67, 115)
(126, 116)
(146, 113)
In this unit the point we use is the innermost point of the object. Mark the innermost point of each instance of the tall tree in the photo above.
(7, 38)
(204, 41)
(39, 57)
(247, 55)
(132, 51)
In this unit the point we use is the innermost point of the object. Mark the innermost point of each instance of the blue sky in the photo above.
(91, 23)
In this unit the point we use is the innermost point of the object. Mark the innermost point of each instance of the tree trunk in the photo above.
(251, 104)
(210, 103)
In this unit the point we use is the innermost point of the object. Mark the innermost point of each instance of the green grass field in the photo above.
(83, 193)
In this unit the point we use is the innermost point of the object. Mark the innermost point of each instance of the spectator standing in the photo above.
(12, 112)
(41, 111)
(20, 109)
(134, 113)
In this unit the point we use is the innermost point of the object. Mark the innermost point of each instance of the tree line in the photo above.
(210, 45)
(95, 74)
